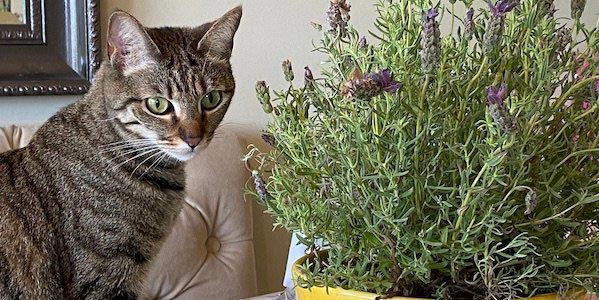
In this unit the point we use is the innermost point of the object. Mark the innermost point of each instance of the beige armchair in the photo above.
(210, 252)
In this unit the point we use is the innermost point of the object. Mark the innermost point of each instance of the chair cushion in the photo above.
(14, 137)
(209, 253)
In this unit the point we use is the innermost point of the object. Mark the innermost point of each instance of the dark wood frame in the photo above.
(56, 52)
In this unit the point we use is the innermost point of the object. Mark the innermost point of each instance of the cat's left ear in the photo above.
(129, 46)
(217, 43)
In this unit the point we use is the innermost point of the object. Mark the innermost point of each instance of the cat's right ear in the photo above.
(129, 48)
(217, 43)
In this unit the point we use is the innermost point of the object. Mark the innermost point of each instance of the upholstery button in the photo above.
(212, 244)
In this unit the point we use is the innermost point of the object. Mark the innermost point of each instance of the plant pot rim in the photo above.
(321, 292)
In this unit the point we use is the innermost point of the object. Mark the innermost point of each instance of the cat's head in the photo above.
(169, 87)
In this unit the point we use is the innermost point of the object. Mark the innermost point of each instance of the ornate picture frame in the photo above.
(55, 51)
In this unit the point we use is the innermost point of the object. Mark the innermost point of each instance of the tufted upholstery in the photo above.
(209, 254)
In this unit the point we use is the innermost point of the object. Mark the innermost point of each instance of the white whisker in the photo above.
(136, 156)
(137, 144)
(156, 162)
(134, 150)
(142, 162)
(128, 142)
(122, 147)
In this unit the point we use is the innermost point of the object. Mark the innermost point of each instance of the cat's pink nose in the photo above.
(192, 142)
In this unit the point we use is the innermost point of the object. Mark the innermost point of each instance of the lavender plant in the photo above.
(453, 166)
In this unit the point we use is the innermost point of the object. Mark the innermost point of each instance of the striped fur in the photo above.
(85, 206)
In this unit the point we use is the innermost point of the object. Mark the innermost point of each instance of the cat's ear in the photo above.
(217, 43)
(130, 48)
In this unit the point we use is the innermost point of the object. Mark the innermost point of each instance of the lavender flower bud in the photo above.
(262, 92)
(267, 107)
(260, 186)
(338, 16)
(287, 70)
(430, 53)
(362, 43)
(563, 38)
(494, 31)
(531, 202)
(549, 7)
(577, 8)
(263, 95)
(365, 87)
(269, 139)
(469, 25)
(498, 111)
(316, 26)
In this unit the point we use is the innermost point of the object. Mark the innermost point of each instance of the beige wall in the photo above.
(271, 31)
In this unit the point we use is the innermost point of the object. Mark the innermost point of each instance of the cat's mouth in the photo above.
(182, 151)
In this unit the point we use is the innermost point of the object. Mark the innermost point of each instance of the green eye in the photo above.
(158, 105)
(211, 100)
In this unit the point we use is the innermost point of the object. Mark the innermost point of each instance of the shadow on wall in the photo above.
(271, 253)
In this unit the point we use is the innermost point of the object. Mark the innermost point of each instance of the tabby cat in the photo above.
(84, 207)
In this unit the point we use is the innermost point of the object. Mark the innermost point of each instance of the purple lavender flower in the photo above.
(502, 7)
(494, 32)
(469, 25)
(497, 109)
(364, 87)
(308, 74)
(470, 15)
(585, 105)
(496, 95)
(430, 53)
(338, 16)
(362, 43)
(260, 186)
(385, 79)
(431, 14)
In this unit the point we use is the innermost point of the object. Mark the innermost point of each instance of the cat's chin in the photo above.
(186, 156)
(182, 156)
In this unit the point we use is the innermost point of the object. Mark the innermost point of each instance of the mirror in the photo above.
(48, 47)
(12, 12)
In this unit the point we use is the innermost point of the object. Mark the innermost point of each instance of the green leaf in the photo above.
(559, 263)
(407, 193)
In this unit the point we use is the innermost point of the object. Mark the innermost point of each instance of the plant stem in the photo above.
(560, 102)
(417, 184)
(474, 79)
(541, 221)
(464, 205)
(452, 16)
(469, 86)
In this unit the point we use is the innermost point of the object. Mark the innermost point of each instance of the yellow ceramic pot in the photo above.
(322, 293)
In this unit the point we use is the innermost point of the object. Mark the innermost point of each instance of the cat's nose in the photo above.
(191, 133)
(192, 142)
